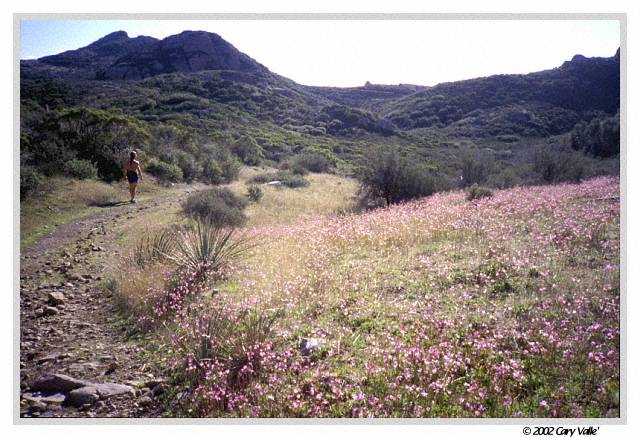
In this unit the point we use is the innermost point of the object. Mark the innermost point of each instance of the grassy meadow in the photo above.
(507, 306)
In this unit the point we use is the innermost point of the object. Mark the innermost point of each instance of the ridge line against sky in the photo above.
(350, 53)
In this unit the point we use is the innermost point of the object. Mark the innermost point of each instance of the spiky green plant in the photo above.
(234, 339)
(155, 246)
(207, 248)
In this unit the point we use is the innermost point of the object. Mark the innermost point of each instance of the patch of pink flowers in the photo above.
(506, 306)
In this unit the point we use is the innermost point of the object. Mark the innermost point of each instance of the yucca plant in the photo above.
(154, 246)
(230, 340)
(207, 248)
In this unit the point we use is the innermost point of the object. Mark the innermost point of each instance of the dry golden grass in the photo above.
(325, 195)
(133, 282)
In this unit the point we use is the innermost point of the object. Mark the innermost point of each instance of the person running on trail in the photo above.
(132, 171)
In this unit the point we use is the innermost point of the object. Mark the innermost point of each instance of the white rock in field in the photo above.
(308, 345)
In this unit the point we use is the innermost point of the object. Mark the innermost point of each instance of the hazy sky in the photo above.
(349, 53)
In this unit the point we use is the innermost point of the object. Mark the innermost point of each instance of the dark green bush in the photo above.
(292, 165)
(165, 172)
(505, 178)
(182, 159)
(230, 167)
(386, 175)
(219, 165)
(263, 178)
(297, 169)
(100, 136)
(211, 172)
(600, 137)
(30, 180)
(217, 206)
(188, 166)
(311, 161)
(81, 169)
(292, 180)
(254, 193)
(477, 192)
(476, 167)
(553, 165)
(248, 150)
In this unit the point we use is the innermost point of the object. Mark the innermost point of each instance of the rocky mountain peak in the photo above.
(117, 36)
(189, 51)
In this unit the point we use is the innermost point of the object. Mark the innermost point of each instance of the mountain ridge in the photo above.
(199, 81)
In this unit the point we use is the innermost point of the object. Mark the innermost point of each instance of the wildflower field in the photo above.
(504, 306)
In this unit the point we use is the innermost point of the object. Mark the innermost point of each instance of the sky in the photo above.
(350, 53)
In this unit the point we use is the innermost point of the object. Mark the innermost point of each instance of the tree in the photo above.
(100, 136)
(475, 168)
(600, 137)
(387, 175)
(558, 165)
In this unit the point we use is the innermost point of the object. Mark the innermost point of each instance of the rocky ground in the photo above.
(75, 359)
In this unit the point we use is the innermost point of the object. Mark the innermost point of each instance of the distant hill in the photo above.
(116, 57)
(199, 83)
(537, 104)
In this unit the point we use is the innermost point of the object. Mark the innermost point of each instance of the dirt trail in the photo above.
(67, 320)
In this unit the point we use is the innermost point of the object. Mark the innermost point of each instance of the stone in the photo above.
(154, 382)
(309, 345)
(83, 396)
(135, 383)
(57, 383)
(106, 358)
(56, 298)
(56, 398)
(111, 389)
(51, 311)
(145, 401)
(31, 398)
(37, 406)
(82, 367)
(48, 358)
